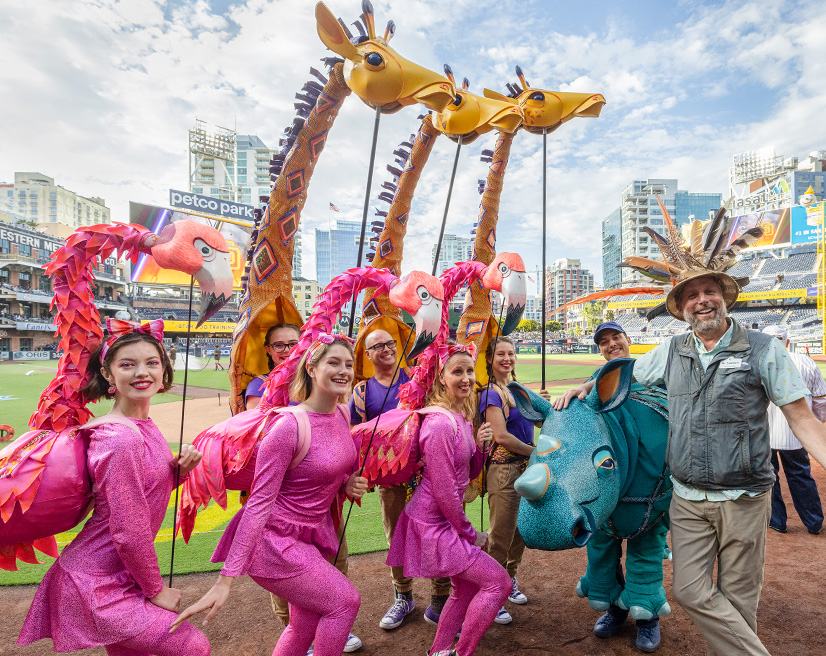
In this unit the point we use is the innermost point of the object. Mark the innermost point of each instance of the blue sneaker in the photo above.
(431, 616)
(648, 635)
(608, 625)
(397, 612)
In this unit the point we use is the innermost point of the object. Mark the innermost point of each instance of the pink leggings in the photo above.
(323, 606)
(157, 641)
(478, 594)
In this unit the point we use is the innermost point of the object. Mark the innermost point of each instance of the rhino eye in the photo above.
(604, 463)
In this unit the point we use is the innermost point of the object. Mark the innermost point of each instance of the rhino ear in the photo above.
(531, 406)
(613, 382)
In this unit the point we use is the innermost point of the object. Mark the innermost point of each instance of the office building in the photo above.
(337, 249)
(454, 249)
(566, 281)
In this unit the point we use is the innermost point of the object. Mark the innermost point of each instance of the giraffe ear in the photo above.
(495, 95)
(332, 34)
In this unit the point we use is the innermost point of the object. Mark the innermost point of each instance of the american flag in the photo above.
(334, 208)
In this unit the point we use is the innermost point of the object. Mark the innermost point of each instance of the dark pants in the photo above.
(802, 487)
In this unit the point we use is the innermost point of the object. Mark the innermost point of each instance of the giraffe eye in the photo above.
(374, 59)
(537, 95)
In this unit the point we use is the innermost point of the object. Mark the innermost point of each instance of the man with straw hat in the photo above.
(720, 378)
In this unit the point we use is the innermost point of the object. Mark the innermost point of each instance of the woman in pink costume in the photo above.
(105, 588)
(284, 535)
(433, 536)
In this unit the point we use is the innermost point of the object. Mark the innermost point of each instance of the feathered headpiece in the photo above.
(706, 254)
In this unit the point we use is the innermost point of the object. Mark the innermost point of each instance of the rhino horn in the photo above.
(534, 482)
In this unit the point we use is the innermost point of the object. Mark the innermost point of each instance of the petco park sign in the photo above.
(209, 205)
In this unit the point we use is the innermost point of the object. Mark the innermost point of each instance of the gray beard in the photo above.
(705, 326)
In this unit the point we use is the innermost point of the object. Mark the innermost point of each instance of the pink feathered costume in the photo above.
(435, 538)
(284, 535)
(98, 591)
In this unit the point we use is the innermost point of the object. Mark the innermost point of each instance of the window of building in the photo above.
(4, 273)
(24, 249)
(5, 344)
(26, 344)
(33, 193)
(53, 195)
(45, 284)
(24, 279)
(242, 171)
(21, 193)
(53, 211)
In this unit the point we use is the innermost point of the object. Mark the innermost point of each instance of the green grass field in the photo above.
(364, 532)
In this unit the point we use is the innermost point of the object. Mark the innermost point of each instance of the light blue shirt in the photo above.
(778, 374)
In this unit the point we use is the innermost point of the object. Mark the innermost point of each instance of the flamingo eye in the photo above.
(206, 251)
(423, 293)
(503, 268)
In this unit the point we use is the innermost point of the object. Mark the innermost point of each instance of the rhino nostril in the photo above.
(580, 533)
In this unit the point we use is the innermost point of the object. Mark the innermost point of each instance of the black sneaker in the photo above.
(608, 625)
(648, 635)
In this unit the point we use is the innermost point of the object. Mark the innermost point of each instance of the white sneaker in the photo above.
(503, 617)
(353, 644)
(515, 596)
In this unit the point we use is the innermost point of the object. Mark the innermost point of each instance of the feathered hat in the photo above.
(705, 256)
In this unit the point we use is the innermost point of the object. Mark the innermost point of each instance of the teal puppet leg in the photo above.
(600, 583)
(644, 594)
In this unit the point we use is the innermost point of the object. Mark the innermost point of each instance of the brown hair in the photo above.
(98, 387)
(490, 351)
(441, 396)
(302, 385)
(272, 329)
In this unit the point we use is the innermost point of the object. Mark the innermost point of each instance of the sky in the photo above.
(100, 95)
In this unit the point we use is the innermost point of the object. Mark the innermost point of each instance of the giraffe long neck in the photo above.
(326, 312)
(412, 393)
(474, 321)
(390, 249)
(62, 404)
(268, 296)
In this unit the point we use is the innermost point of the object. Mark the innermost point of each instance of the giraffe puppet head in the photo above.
(471, 115)
(374, 71)
(545, 111)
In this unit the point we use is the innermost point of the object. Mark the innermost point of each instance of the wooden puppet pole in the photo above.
(487, 395)
(364, 213)
(544, 241)
(181, 437)
(447, 206)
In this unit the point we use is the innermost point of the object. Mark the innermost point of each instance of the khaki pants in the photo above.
(732, 533)
(280, 606)
(392, 503)
(505, 545)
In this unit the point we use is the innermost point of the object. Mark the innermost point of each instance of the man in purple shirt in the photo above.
(366, 404)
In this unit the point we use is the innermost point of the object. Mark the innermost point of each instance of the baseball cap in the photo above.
(608, 325)
(777, 331)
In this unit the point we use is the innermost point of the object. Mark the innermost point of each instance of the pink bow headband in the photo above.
(118, 328)
(325, 338)
(446, 351)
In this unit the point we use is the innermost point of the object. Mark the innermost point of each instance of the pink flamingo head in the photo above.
(422, 296)
(506, 274)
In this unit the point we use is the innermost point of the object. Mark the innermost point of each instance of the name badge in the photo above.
(731, 363)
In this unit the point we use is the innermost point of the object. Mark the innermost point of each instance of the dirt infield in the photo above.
(554, 621)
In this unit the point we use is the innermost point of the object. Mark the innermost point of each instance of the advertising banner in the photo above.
(31, 325)
(208, 327)
(157, 218)
(207, 204)
(776, 226)
(805, 222)
(30, 355)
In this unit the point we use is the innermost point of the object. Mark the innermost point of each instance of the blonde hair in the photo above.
(302, 384)
(441, 396)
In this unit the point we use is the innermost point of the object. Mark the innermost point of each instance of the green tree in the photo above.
(609, 315)
(528, 326)
(553, 326)
(593, 312)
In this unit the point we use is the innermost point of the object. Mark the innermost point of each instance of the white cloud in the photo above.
(100, 95)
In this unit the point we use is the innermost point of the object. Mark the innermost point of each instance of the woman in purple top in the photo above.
(105, 589)
(513, 435)
(284, 535)
(433, 536)
(279, 343)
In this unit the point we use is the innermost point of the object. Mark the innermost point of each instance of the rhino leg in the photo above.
(644, 595)
(602, 582)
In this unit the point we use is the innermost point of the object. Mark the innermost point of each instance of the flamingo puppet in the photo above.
(388, 445)
(229, 448)
(44, 486)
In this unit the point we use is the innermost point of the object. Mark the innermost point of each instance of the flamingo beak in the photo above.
(515, 291)
(427, 321)
(215, 282)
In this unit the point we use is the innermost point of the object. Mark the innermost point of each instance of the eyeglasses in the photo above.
(376, 348)
(280, 347)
